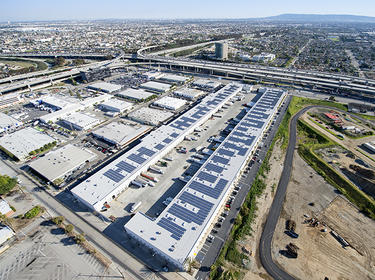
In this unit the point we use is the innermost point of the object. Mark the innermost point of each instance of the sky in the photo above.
(23, 10)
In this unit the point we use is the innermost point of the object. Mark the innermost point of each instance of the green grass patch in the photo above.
(33, 212)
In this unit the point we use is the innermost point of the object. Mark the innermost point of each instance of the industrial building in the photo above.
(79, 121)
(150, 116)
(152, 75)
(170, 103)
(221, 50)
(175, 79)
(263, 57)
(135, 94)
(105, 87)
(8, 123)
(155, 86)
(5, 234)
(5, 208)
(117, 133)
(115, 105)
(177, 234)
(10, 99)
(207, 84)
(110, 181)
(62, 162)
(22, 142)
(189, 93)
(68, 107)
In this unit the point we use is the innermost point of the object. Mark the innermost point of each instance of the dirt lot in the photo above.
(320, 254)
(264, 202)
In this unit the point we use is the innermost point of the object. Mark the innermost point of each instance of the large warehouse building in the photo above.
(170, 103)
(109, 182)
(105, 87)
(156, 87)
(61, 163)
(8, 123)
(177, 233)
(24, 141)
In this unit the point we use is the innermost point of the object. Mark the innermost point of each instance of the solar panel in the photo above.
(145, 151)
(113, 175)
(220, 160)
(126, 166)
(159, 147)
(167, 140)
(176, 230)
(136, 158)
(214, 168)
(174, 135)
(207, 190)
(225, 152)
(207, 177)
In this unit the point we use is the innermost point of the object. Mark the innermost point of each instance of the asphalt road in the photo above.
(210, 251)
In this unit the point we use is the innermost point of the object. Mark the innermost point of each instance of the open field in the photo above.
(320, 254)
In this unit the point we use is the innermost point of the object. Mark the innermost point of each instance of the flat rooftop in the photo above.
(105, 87)
(120, 133)
(120, 105)
(56, 164)
(7, 122)
(57, 101)
(81, 120)
(156, 86)
(137, 94)
(170, 103)
(206, 83)
(150, 116)
(116, 175)
(24, 141)
(174, 78)
(180, 227)
(189, 93)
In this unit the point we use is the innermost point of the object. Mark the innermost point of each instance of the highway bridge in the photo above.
(53, 55)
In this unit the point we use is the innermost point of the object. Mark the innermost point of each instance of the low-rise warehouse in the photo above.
(24, 141)
(61, 163)
(8, 123)
(177, 234)
(170, 103)
(176, 79)
(121, 134)
(115, 105)
(150, 116)
(79, 121)
(135, 94)
(156, 87)
(152, 75)
(207, 84)
(110, 181)
(189, 93)
(105, 87)
(10, 99)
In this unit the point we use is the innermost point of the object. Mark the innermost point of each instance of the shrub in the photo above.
(7, 184)
(79, 238)
(58, 220)
(69, 228)
(33, 212)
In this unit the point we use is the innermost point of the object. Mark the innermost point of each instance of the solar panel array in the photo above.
(195, 204)
(116, 173)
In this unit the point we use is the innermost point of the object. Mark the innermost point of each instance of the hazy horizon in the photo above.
(43, 10)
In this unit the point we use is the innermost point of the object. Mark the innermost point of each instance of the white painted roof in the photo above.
(137, 94)
(7, 122)
(170, 103)
(57, 163)
(150, 116)
(82, 120)
(106, 87)
(155, 86)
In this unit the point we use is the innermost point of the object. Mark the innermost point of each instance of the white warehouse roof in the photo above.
(177, 232)
(116, 105)
(155, 86)
(80, 121)
(24, 141)
(8, 122)
(170, 103)
(116, 176)
(136, 94)
(189, 93)
(174, 78)
(105, 87)
(150, 116)
(56, 164)
(206, 83)
(120, 133)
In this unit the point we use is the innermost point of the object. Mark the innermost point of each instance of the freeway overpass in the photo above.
(53, 55)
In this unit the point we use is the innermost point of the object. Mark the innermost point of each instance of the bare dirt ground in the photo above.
(320, 254)
(264, 203)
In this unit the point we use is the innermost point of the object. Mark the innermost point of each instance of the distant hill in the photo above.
(320, 18)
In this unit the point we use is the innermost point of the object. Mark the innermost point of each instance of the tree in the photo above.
(69, 228)
(80, 238)
(59, 61)
(58, 220)
(7, 184)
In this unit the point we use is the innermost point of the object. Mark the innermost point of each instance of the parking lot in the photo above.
(169, 184)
